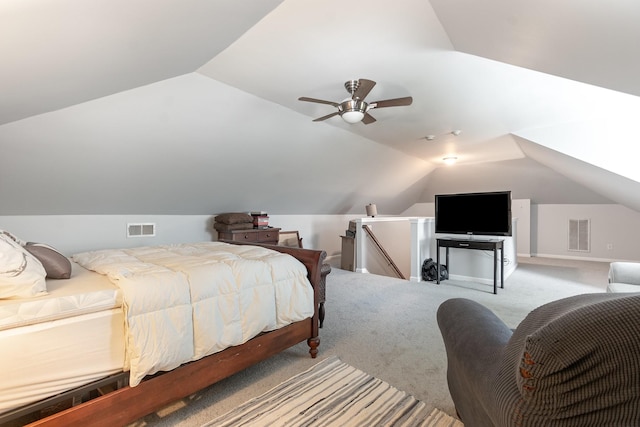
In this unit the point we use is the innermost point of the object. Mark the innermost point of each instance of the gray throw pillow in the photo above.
(55, 264)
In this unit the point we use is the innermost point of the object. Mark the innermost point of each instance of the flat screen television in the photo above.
(474, 213)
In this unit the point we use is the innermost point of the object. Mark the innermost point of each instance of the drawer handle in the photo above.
(246, 236)
(268, 235)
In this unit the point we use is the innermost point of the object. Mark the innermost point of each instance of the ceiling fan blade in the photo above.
(364, 88)
(319, 101)
(319, 119)
(397, 102)
(368, 119)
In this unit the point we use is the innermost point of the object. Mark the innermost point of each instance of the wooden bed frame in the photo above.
(127, 404)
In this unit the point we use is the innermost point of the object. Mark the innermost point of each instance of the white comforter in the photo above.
(183, 302)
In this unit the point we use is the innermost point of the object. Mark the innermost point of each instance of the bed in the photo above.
(90, 330)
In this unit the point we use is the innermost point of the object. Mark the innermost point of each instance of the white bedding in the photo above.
(43, 359)
(183, 302)
(65, 339)
(85, 292)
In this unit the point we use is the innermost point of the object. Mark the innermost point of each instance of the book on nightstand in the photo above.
(260, 219)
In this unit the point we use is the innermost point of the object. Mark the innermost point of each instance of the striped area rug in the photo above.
(332, 393)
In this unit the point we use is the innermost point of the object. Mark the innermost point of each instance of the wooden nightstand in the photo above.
(256, 235)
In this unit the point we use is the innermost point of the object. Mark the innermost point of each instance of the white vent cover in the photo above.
(141, 230)
(579, 235)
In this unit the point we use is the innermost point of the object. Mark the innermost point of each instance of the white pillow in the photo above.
(13, 237)
(21, 274)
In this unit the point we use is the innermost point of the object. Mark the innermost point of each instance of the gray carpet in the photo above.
(387, 328)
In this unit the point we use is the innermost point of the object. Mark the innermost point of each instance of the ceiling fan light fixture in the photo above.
(352, 116)
(352, 110)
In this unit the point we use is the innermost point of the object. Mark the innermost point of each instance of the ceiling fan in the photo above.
(355, 109)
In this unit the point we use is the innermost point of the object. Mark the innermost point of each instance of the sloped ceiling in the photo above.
(191, 107)
(62, 53)
(583, 40)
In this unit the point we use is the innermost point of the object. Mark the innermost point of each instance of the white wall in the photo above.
(75, 233)
(543, 229)
(317, 231)
(613, 225)
(521, 210)
(395, 238)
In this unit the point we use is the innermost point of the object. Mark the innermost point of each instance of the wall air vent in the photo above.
(579, 235)
(141, 229)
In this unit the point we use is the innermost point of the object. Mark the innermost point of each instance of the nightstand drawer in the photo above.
(245, 237)
(253, 235)
(268, 236)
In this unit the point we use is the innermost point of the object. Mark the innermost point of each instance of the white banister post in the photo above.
(361, 248)
(420, 245)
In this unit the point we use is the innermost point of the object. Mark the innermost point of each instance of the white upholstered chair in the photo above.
(624, 277)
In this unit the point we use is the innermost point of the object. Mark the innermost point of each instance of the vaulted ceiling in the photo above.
(164, 107)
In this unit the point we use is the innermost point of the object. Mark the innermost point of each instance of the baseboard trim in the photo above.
(575, 258)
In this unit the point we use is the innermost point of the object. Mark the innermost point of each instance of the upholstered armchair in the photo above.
(572, 362)
(624, 277)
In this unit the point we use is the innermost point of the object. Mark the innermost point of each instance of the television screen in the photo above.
(474, 213)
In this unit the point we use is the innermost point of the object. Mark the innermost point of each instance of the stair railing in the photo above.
(384, 253)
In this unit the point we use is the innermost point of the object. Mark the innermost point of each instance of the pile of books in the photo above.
(260, 219)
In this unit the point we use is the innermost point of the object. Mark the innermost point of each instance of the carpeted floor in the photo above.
(386, 327)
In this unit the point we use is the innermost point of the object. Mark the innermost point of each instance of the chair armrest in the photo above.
(624, 272)
(474, 338)
(472, 331)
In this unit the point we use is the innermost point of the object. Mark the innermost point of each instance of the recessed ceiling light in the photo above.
(453, 132)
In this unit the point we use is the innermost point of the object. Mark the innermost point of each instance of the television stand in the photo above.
(483, 245)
